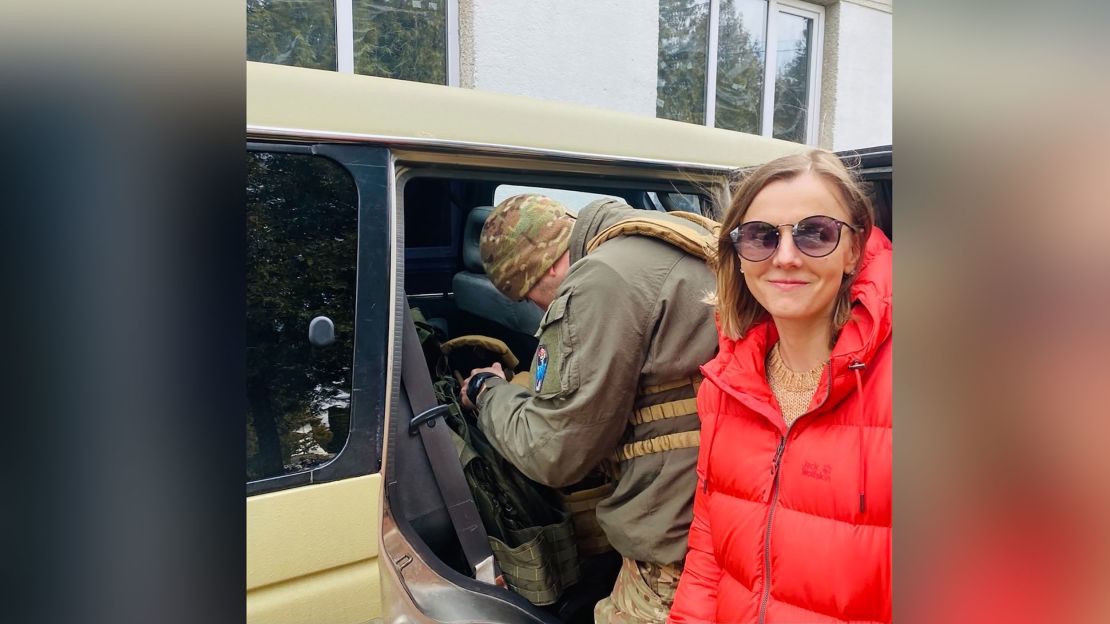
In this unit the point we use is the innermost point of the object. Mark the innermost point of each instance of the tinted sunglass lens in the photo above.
(817, 236)
(757, 241)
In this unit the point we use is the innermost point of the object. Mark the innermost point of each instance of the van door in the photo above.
(316, 252)
(425, 577)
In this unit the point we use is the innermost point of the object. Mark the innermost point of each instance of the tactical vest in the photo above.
(686, 238)
(649, 406)
(530, 533)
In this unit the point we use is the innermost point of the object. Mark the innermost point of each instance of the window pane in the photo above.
(405, 39)
(674, 202)
(573, 200)
(292, 32)
(741, 57)
(683, 41)
(430, 213)
(792, 77)
(302, 234)
(681, 202)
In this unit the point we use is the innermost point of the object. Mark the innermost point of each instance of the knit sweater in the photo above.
(794, 391)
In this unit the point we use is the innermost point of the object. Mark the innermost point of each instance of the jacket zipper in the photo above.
(770, 520)
(775, 465)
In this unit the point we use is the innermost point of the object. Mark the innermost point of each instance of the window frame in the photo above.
(817, 43)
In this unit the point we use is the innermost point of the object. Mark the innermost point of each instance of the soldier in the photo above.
(612, 382)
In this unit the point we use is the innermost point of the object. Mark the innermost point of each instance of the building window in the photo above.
(716, 67)
(683, 44)
(404, 39)
(292, 32)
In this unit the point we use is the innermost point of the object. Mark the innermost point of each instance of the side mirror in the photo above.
(321, 331)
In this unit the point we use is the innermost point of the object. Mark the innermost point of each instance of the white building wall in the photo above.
(601, 54)
(605, 54)
(864, 78)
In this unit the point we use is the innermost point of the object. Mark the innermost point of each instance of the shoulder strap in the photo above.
(712, 226)
(686, 238)
(444, 458)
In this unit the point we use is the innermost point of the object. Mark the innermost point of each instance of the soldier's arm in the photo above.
(584, 381)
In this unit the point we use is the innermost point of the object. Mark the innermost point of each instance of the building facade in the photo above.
(816, 71)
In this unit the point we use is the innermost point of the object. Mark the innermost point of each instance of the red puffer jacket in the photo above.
(794, 525)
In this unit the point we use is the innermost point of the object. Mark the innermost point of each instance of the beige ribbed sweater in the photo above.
(792, 390)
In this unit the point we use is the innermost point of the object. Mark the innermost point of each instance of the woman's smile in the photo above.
(787, 284)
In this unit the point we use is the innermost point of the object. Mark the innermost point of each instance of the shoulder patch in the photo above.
(541, 367)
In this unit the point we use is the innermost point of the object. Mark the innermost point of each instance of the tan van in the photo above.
(364, 198)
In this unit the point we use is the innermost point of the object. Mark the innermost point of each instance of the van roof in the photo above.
(298, 102)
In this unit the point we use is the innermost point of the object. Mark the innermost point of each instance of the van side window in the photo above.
(573, 200)
(432, 219)
(676, 202)
(301, 247)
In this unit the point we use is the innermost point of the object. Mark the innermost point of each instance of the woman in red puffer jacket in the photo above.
(792, 515)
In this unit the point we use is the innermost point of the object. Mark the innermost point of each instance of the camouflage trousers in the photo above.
(643, 593)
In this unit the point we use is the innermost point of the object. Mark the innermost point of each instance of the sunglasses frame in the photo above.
(734, 235)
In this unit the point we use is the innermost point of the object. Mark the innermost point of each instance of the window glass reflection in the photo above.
(741, 57)
(792, 77)
(683, 45)
(301, 246)
(403, 39)
(292, 32)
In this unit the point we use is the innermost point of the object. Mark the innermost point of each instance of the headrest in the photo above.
(472, 235)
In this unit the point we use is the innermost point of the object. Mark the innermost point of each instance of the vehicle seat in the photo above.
(476, 294)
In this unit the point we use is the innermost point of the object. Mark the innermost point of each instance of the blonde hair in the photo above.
(737, 308)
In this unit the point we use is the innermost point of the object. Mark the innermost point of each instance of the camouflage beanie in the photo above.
(522, 238)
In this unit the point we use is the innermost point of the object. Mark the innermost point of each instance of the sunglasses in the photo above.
(815, 236)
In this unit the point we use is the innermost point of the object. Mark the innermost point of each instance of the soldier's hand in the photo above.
(495, 369)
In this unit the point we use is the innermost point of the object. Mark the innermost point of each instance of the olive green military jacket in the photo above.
(628, 316)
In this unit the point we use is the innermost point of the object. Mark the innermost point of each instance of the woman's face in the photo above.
(791, 285)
